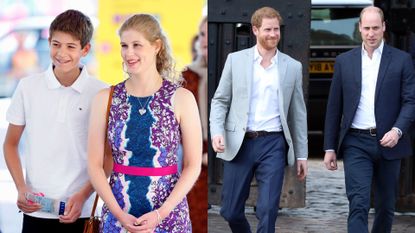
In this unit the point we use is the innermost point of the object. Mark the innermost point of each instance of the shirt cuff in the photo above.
(330, 150)
(301, 158)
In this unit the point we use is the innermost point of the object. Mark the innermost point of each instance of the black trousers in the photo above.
(44, 225)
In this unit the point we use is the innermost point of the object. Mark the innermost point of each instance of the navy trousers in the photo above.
(264, 157)
(363, 163)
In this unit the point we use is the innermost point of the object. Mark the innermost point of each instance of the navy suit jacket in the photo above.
(394, 99)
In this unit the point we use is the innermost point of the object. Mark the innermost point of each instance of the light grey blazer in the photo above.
(230, 104)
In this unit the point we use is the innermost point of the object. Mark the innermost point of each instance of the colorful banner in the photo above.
(179, 18)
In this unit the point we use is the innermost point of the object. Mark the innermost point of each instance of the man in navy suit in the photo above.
(370, 108)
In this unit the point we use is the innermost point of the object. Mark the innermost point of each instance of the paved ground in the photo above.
(325, 212)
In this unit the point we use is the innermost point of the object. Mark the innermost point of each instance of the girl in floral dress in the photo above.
(149, 115)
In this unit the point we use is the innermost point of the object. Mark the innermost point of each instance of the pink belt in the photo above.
(145, 171)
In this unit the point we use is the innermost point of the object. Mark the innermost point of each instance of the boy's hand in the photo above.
(73, 208)
(24, 205)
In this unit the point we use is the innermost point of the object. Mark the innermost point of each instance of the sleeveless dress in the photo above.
(149, 140)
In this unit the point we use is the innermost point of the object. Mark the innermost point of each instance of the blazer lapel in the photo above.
(248, 74)
(356, 79)
(282, 71)
(384, 63)
(357, 69)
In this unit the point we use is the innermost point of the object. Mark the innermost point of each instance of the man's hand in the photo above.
(218, 143)
(330, 160)
(390, 139)
(301, 169)
(73, 208)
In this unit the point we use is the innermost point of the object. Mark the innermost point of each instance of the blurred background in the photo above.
(24, 49)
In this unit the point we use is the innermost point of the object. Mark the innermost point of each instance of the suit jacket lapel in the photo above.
(282, 71)
(248, 74)
(282, 68)
(357, 69)
(384, 63)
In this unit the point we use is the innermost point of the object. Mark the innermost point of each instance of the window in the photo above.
(335, 26)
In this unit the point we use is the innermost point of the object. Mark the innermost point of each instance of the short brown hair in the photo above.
(264, 12)
(74, 23)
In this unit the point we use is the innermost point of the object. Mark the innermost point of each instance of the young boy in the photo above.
(53, 109)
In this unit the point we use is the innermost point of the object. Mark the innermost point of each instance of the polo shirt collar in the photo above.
(78, 85)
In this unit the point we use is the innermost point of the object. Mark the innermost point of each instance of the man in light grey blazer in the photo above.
(258, 124)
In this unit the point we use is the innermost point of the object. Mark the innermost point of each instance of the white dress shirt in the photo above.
(365, 113)
(264, 111)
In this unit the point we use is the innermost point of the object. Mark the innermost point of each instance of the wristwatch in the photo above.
(398, 131)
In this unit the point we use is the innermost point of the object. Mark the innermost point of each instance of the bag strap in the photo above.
(108, 112)
(106, 143)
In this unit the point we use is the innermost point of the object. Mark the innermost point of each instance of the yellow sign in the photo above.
(321, 67)
(179, 18)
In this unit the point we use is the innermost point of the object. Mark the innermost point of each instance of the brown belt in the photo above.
(255, 134)
(371, 131)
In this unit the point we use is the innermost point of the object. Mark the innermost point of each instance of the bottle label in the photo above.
(49, 205)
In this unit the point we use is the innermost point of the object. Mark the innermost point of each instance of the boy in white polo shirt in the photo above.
(53, 109)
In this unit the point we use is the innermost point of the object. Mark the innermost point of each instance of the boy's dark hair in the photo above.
(74, 23)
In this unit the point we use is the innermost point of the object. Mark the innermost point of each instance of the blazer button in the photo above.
(243, 129)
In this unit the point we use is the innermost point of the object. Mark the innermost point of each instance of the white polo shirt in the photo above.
(56, 123)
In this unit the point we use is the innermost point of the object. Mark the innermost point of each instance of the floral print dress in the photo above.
(143, 132)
